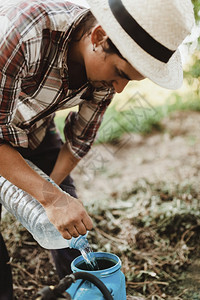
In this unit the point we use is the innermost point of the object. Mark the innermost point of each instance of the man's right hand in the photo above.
(66, 213)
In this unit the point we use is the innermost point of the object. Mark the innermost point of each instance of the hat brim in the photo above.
(168, 75)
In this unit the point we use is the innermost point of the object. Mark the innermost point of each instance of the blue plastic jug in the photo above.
(109, 273)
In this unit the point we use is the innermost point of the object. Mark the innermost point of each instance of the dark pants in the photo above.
(44, 157)
(6, 290)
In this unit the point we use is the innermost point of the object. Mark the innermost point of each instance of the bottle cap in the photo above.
(77, 243)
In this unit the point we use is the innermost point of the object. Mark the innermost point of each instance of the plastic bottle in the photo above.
(31, 214)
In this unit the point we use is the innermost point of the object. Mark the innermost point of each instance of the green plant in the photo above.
(193, 73)
(142, 120)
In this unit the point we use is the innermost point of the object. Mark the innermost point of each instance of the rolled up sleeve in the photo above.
(81, 127)
(13, 135)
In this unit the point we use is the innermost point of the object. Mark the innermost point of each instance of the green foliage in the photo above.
(196, 4)
(60, 122)
(193, 73)
(142, 120)
(137, 119)
(195, 68)
(190, 102)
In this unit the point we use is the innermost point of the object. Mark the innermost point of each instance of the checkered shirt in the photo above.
(34, 38)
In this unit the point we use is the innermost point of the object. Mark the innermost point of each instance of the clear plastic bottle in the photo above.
(31, 214)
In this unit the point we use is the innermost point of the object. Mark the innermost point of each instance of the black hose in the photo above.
(96, 281)
(48, 293)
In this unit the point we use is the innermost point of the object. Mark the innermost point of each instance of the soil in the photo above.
(106, 175)
(173, 155)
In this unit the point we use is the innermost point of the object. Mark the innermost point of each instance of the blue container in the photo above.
(109, 273)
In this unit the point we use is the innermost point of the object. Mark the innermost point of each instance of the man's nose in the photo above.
(119, 85)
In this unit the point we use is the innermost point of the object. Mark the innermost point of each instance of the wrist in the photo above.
(48, 193)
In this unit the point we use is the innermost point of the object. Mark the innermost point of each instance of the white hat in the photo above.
(147, 33)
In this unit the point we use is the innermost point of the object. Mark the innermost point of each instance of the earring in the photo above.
(94, 47)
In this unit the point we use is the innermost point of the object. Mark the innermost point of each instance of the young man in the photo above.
(56, 55)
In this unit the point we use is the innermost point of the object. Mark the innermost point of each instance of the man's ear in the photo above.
(98, 35)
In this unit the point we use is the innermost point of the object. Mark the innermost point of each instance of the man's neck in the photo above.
(76, 67)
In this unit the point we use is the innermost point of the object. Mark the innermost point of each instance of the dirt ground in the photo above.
(173, 155)
(108, 172)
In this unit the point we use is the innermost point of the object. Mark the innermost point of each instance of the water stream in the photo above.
(88, 256)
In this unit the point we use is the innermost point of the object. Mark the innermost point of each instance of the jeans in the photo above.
(44, 157)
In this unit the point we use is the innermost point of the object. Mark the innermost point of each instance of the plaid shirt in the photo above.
(34, 38)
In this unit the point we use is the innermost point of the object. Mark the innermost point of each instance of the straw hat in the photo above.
(147, 33)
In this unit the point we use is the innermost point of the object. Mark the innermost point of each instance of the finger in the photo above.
(81, 229)
(68, 231)
(87, 221)
(73, 231)
(66, 235)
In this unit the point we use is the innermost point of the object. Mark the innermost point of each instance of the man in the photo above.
(56, 55)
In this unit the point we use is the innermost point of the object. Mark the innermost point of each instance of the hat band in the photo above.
(138, 34)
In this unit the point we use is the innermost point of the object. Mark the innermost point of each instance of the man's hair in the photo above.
(84, 28)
